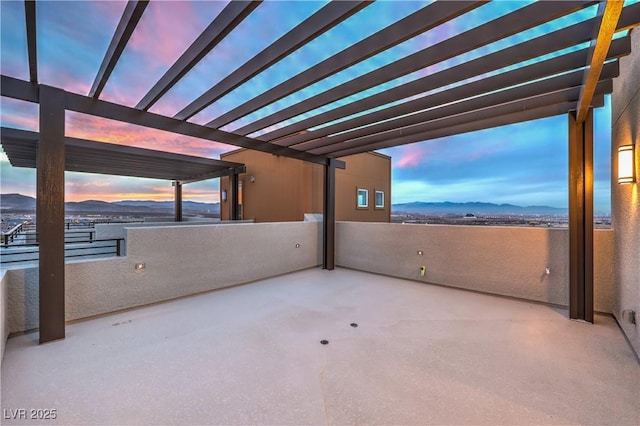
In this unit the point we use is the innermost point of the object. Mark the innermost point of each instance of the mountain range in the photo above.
(474, 208)
(22, 203)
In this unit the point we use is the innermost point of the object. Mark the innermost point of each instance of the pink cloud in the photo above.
(99, 129)
(19, 114)
(410, 156)
(155, 40)
(71, 83)
(22, 122)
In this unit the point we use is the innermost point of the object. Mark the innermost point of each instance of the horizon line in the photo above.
(396, 203)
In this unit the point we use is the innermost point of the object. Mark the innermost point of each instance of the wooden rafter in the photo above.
(606, 27)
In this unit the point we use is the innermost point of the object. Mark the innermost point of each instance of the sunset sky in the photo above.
(524, 164)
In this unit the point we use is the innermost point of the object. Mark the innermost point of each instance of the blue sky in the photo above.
(524, 164)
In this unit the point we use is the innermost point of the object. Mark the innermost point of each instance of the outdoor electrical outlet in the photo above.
(547, 270)
(423, 270)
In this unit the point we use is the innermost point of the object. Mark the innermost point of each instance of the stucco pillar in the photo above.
(625, 198)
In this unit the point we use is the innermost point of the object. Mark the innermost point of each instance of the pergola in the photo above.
(85, 156)
(564, 71)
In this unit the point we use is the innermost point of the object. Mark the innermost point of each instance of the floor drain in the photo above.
(353, 324)
(324, 342)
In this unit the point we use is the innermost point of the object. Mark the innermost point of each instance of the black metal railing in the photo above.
(28, 231)
(83, 225)
(76, 249)
(10, 235)
(32, 237)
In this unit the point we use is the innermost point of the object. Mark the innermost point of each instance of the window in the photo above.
(379, 200)
(363, 198)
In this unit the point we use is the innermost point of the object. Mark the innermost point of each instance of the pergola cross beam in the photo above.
(504, 26)
(606, 27)
(231, 16)
(405, 125)
(32, 51)
(527, 50)
(25, 91)
(418, 22)
(87, 156)
(324, 19)
(128, 22)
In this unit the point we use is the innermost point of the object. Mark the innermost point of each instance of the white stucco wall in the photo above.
(509, 261)
(625, 199)
(180, 261)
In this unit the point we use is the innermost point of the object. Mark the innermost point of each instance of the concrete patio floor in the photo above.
(420, 354)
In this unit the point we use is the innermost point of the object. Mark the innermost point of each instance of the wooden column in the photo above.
(233, 179)
(50, 213)
(581, 217)
(177, 189)
(329, 216)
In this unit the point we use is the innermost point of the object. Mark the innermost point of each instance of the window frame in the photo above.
(375, 199)
(366, 199)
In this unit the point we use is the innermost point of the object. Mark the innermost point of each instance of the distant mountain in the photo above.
(22, 203)
(447, 207)
(187, 206)
(17, 202)
(95, 206)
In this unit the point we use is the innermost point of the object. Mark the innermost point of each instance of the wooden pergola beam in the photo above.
(128, 22)
(32, 51)
(605, 29)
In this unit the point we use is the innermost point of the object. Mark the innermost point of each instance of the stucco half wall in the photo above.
(625, 199)
(4, 317)
(179, 261)
(509, 261)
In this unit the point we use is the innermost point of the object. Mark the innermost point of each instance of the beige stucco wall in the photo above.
(625, 199)
(4, 318)
(107, 231)
(509, 261)
(187, 260)
(274, 188)
(370, 171)
(179, 261)
(281, 189)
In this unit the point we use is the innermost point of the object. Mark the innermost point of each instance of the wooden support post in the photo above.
(581, 217)
(50, 213)
(233, 179)
(329, 216)
(177, 187)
